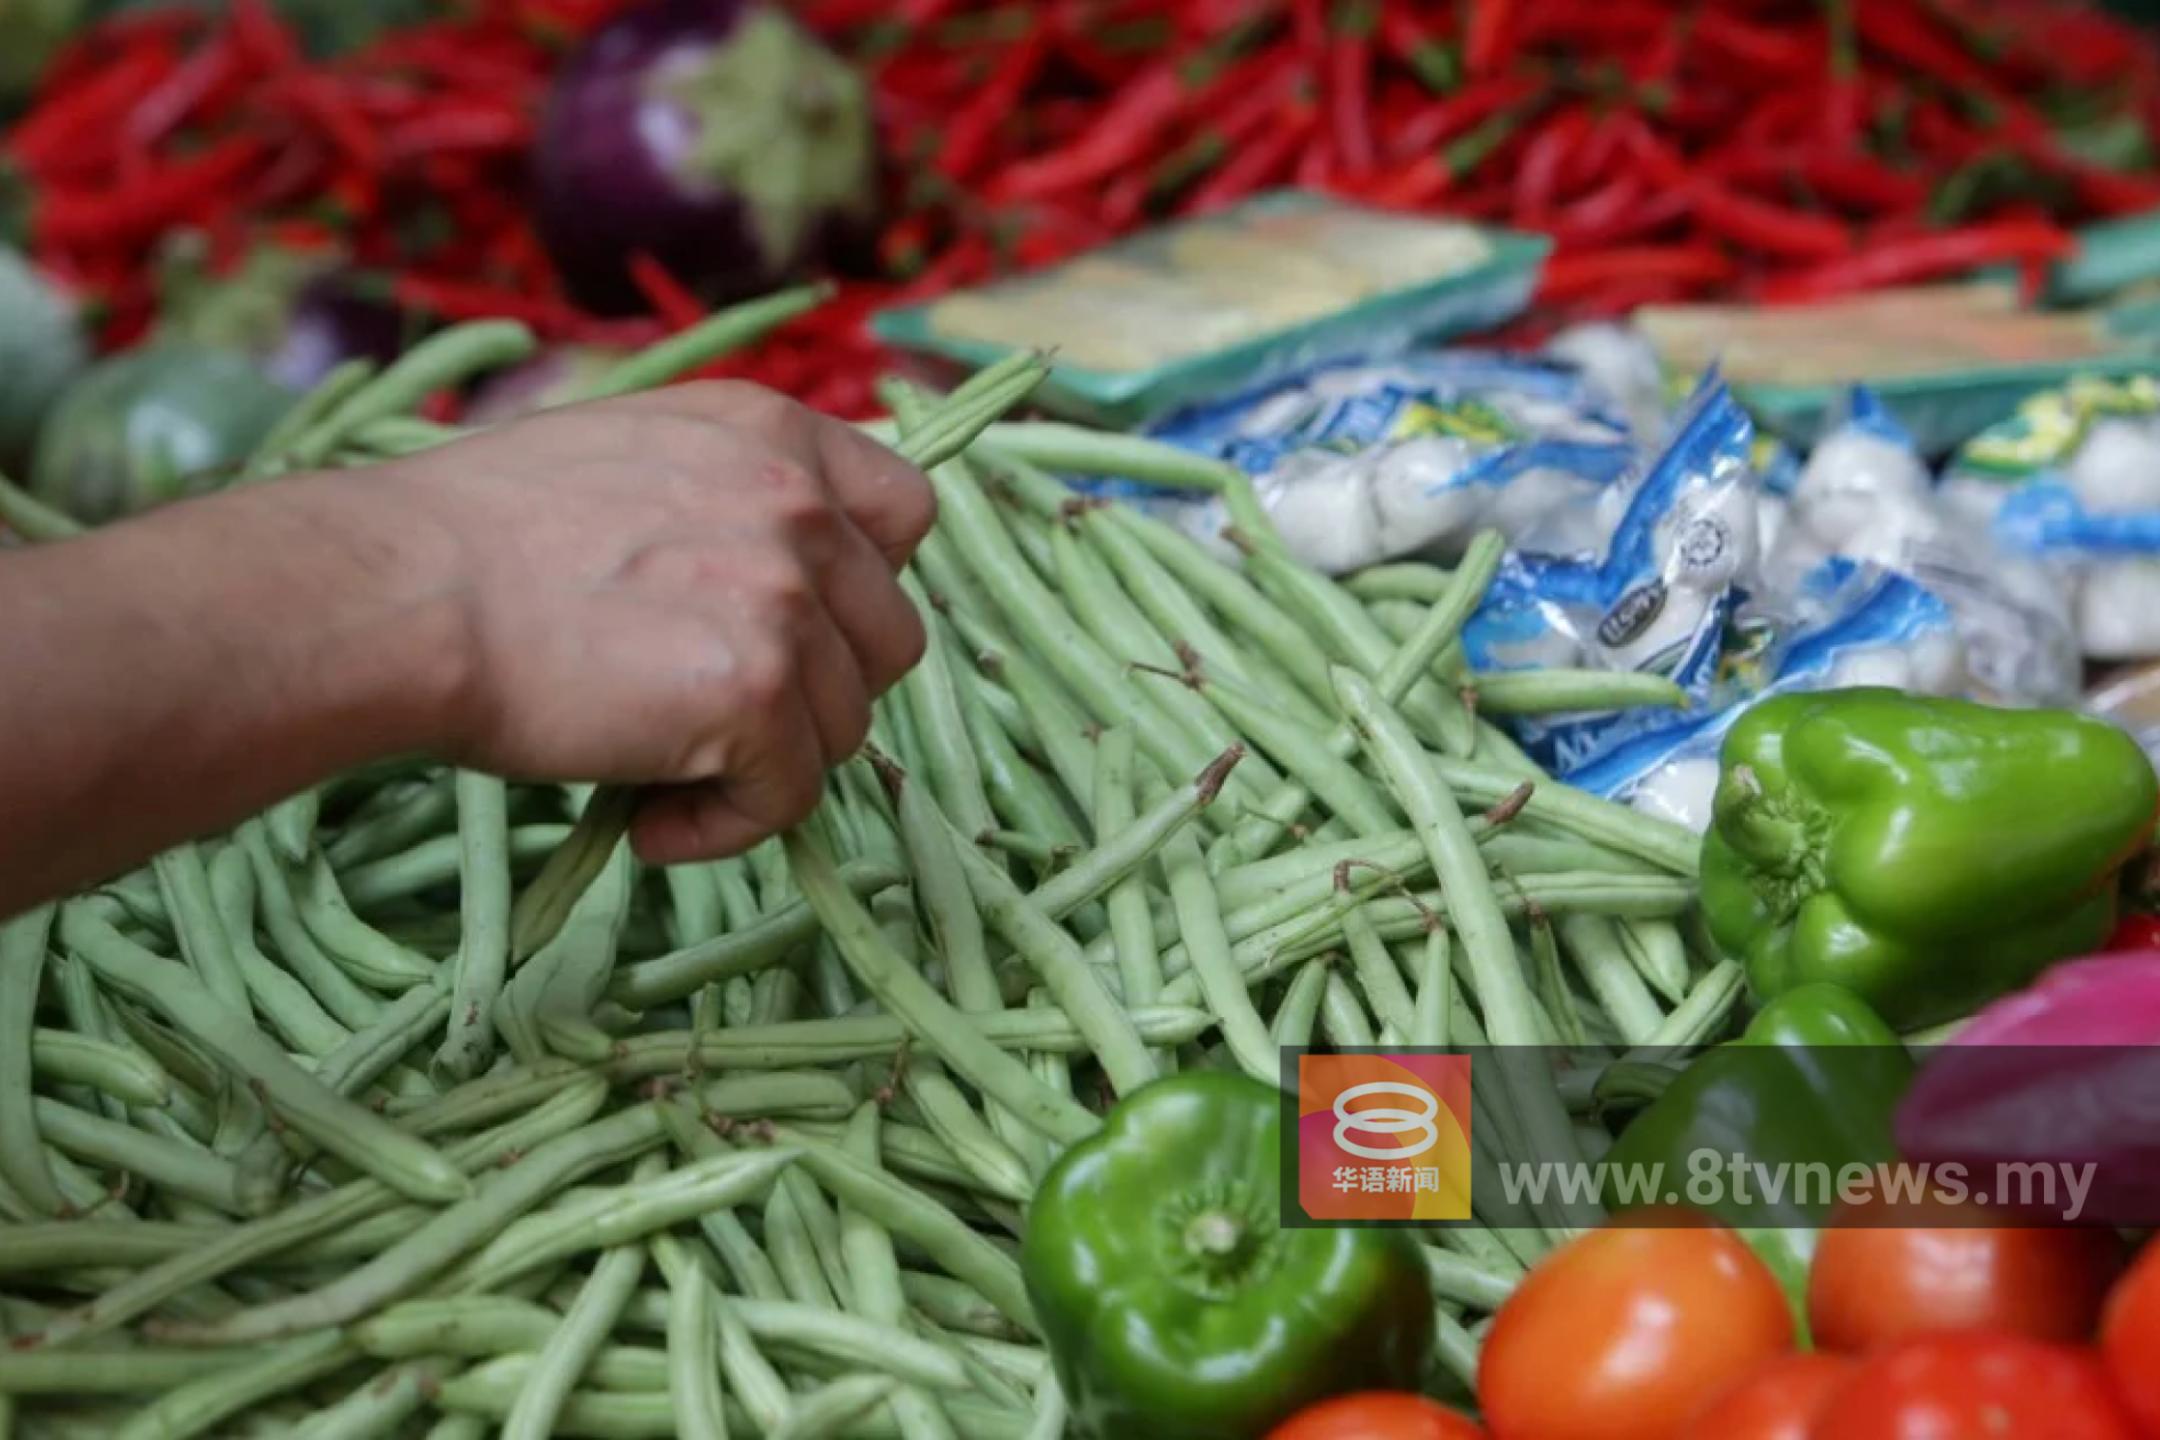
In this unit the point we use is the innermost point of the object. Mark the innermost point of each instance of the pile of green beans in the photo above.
(417, 1107)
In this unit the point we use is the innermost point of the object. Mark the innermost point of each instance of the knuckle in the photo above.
(764, 675)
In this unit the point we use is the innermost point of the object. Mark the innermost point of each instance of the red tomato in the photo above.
(1973, 1385)
(1627, 1333)
(1378, 1415)
(1778, 1402)
(1868, 1288)
(2130, 1338)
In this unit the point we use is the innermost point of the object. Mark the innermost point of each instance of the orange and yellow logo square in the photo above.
(1384, 1136)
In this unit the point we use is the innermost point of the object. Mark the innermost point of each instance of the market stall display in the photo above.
(1590, 536)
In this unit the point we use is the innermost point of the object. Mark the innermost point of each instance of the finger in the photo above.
(777, 782)
(832, 682)
(888, 499)
(881, 624)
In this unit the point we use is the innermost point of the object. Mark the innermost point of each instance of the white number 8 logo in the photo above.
(1386, 1120)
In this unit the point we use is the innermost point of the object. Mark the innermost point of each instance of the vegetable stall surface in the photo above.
(416, 1105)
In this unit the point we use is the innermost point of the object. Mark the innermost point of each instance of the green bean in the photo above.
(693, 1358)
(417, 811)
(66, 1058)
(1074, 449)
(911, 1214)
(23, 943)
(1057, 958)
(1359, 642)
(201, 1404)
(1593, 942)
(821, 1225)
(443, 360)
(330, 392)
(1672, 848)
(1556, 1002)
(184, 883)
(1182, 620)
(291, 823)
(918, 1007)
(281, 1000)
(34, 1247)
(1344, 790)
(585, 1326)
(388, 879)
(280, 911)
(1343, 1020)
(571, 1103)
(483, 957)
(1655, 949)
(459, 1427)
(941, 730)
(1299, 1011)
(1098, 602)
(671, 977)
(34, 520)
(550, 1005)
(747, 1372)
(365, 953)
(444, 1237)
(619, 1215)
(873, 1273)
(987, 1160)
(1207, 946)
(1698, 1017)
(510, 1091)
(199, 1175)
(1432, 1022)
(352, 1133)
(134, 1371)
(1132, 928)
(379, 1406)
(1377, 978)
(1401, 580)
(1515, 851)
(832, 1408)
(1049, 633)
(1457, 1350)
(699, 345)
(1557, 691)
(1021, 795)
(1394, 673)
(1122, 852)
(1474, 908)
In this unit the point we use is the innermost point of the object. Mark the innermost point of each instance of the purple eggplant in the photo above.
(716, 136)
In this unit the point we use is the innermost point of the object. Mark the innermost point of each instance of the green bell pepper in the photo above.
(1928, 854)
(1177, 1306)
(1810, 1088)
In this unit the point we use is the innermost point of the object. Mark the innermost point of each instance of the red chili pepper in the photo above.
(1597, 218)
(1427, 57)
(167, 195)
(1260, 162)
(1768, 228)
(1924, 257)
(1350, 87)
(1489, 35)
(1116, 138)
(456, 127)
(89, 115)
(201, 77)
(319, 98)
(262, 38)
(1759, 50)
(670, 300)
(975, 127)
(1430, 176)
(1470, 107)
(1537, 179)
(1567, 276)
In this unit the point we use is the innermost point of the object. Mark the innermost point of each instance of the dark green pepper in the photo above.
(1928, 854)
(1810, 1088)
(1175, 1303)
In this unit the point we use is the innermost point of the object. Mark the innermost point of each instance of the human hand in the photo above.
(693, 589)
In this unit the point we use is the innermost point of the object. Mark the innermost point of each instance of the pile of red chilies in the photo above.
(1771, 149)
